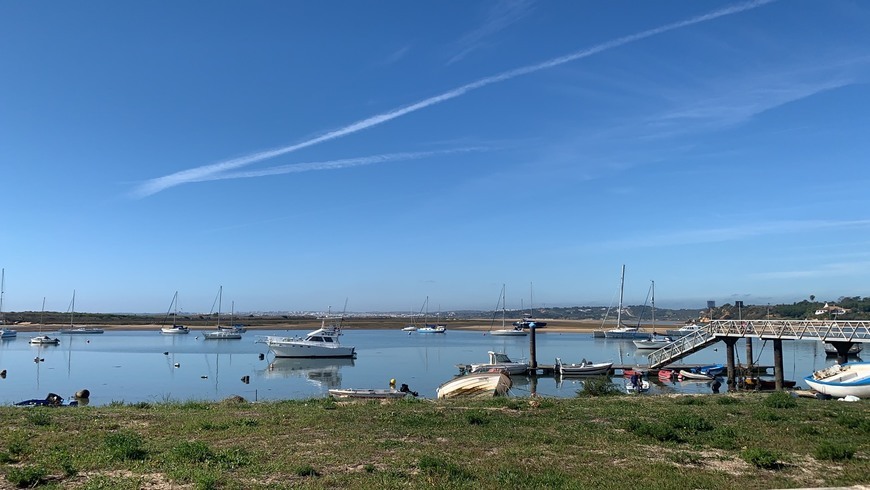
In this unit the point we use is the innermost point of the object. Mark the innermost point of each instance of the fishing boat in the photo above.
(500, 360)
(174, 329)
(504, 331)
(476, 385)
(322, 342)
(842, 380)
(623, 331)
(72, 330)
(584, 368)
(44, 340)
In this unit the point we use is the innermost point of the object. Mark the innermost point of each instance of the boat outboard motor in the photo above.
(404, 389)
(54, 399)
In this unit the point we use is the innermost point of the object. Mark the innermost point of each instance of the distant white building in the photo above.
(831, 310)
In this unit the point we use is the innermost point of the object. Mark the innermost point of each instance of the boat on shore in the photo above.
(374, 394)
(842, 380)
(52, 400)
(476, 385)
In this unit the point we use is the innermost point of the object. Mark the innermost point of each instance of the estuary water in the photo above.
(147, 366)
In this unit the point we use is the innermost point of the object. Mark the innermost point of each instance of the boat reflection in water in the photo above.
(319, 371)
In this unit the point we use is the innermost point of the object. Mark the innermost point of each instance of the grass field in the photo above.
(706, 441)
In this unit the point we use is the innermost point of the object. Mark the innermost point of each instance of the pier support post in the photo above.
(533, 355)
(777, 364)
(749, 356)
(729, 362)
(842, 351)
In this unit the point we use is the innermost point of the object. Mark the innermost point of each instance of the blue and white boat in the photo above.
(842, 380)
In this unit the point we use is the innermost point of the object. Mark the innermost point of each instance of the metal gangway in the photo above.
(845, 331)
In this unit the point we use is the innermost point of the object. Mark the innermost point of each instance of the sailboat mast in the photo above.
(654, 305)
(2, 290)
(72, 309)
(220, 298)
(503, 301)
(621, 286)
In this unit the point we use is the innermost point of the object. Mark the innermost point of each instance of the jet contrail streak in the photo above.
(158, 184)
(333, 164)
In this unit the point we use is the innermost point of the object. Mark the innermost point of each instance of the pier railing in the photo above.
(682, 347)
(822, 330)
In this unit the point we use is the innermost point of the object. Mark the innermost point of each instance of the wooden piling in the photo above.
(777, 364)
(533, 355)
(730, 363)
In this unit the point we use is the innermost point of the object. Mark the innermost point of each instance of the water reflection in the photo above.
(321, 372)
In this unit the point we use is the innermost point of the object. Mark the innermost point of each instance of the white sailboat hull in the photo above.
(842, 380)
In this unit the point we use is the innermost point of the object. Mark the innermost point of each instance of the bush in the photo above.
(125, 446)
(833, 451)
(476, 418)
(192, 452)
(26, 476)
(598, 386)
(305, 470)
(761, 458)
(780, 399)
(656, 431)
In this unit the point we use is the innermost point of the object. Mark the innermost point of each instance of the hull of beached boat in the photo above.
(369, 394)
(476, 385)
(842, 380)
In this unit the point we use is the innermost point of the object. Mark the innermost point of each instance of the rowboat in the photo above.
(373, 394)
(584, 368)
(476, 385)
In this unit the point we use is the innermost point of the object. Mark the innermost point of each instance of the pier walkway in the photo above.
(841, 333)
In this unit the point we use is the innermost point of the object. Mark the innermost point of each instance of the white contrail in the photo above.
(333, 164)
(156, 185)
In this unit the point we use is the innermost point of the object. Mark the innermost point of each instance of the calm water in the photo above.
(137, 366)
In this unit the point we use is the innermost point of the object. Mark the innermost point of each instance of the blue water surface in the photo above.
(147, 366)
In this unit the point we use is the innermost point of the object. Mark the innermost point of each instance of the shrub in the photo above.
(476, 418)
(26, 476)
(193, 452)
(598, 386)
(834, 451)
(654, 430)
(305, 470)
(761, 458)
(39, 418)
(125, 446)
(780, 399)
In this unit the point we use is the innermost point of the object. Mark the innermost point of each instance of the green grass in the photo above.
(586, 442)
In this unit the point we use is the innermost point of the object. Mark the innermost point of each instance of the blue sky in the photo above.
(301, 154)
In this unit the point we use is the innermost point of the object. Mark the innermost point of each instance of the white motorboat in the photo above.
(222, 335)
(476, 385)
(322, 342)
(584, 368)
(500, 360)
(698, 376)
(44, 340)
(842, 380)
(684, 330)
(429, 328)
(653, 343)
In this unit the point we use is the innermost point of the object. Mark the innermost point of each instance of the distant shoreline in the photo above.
(483, 325)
